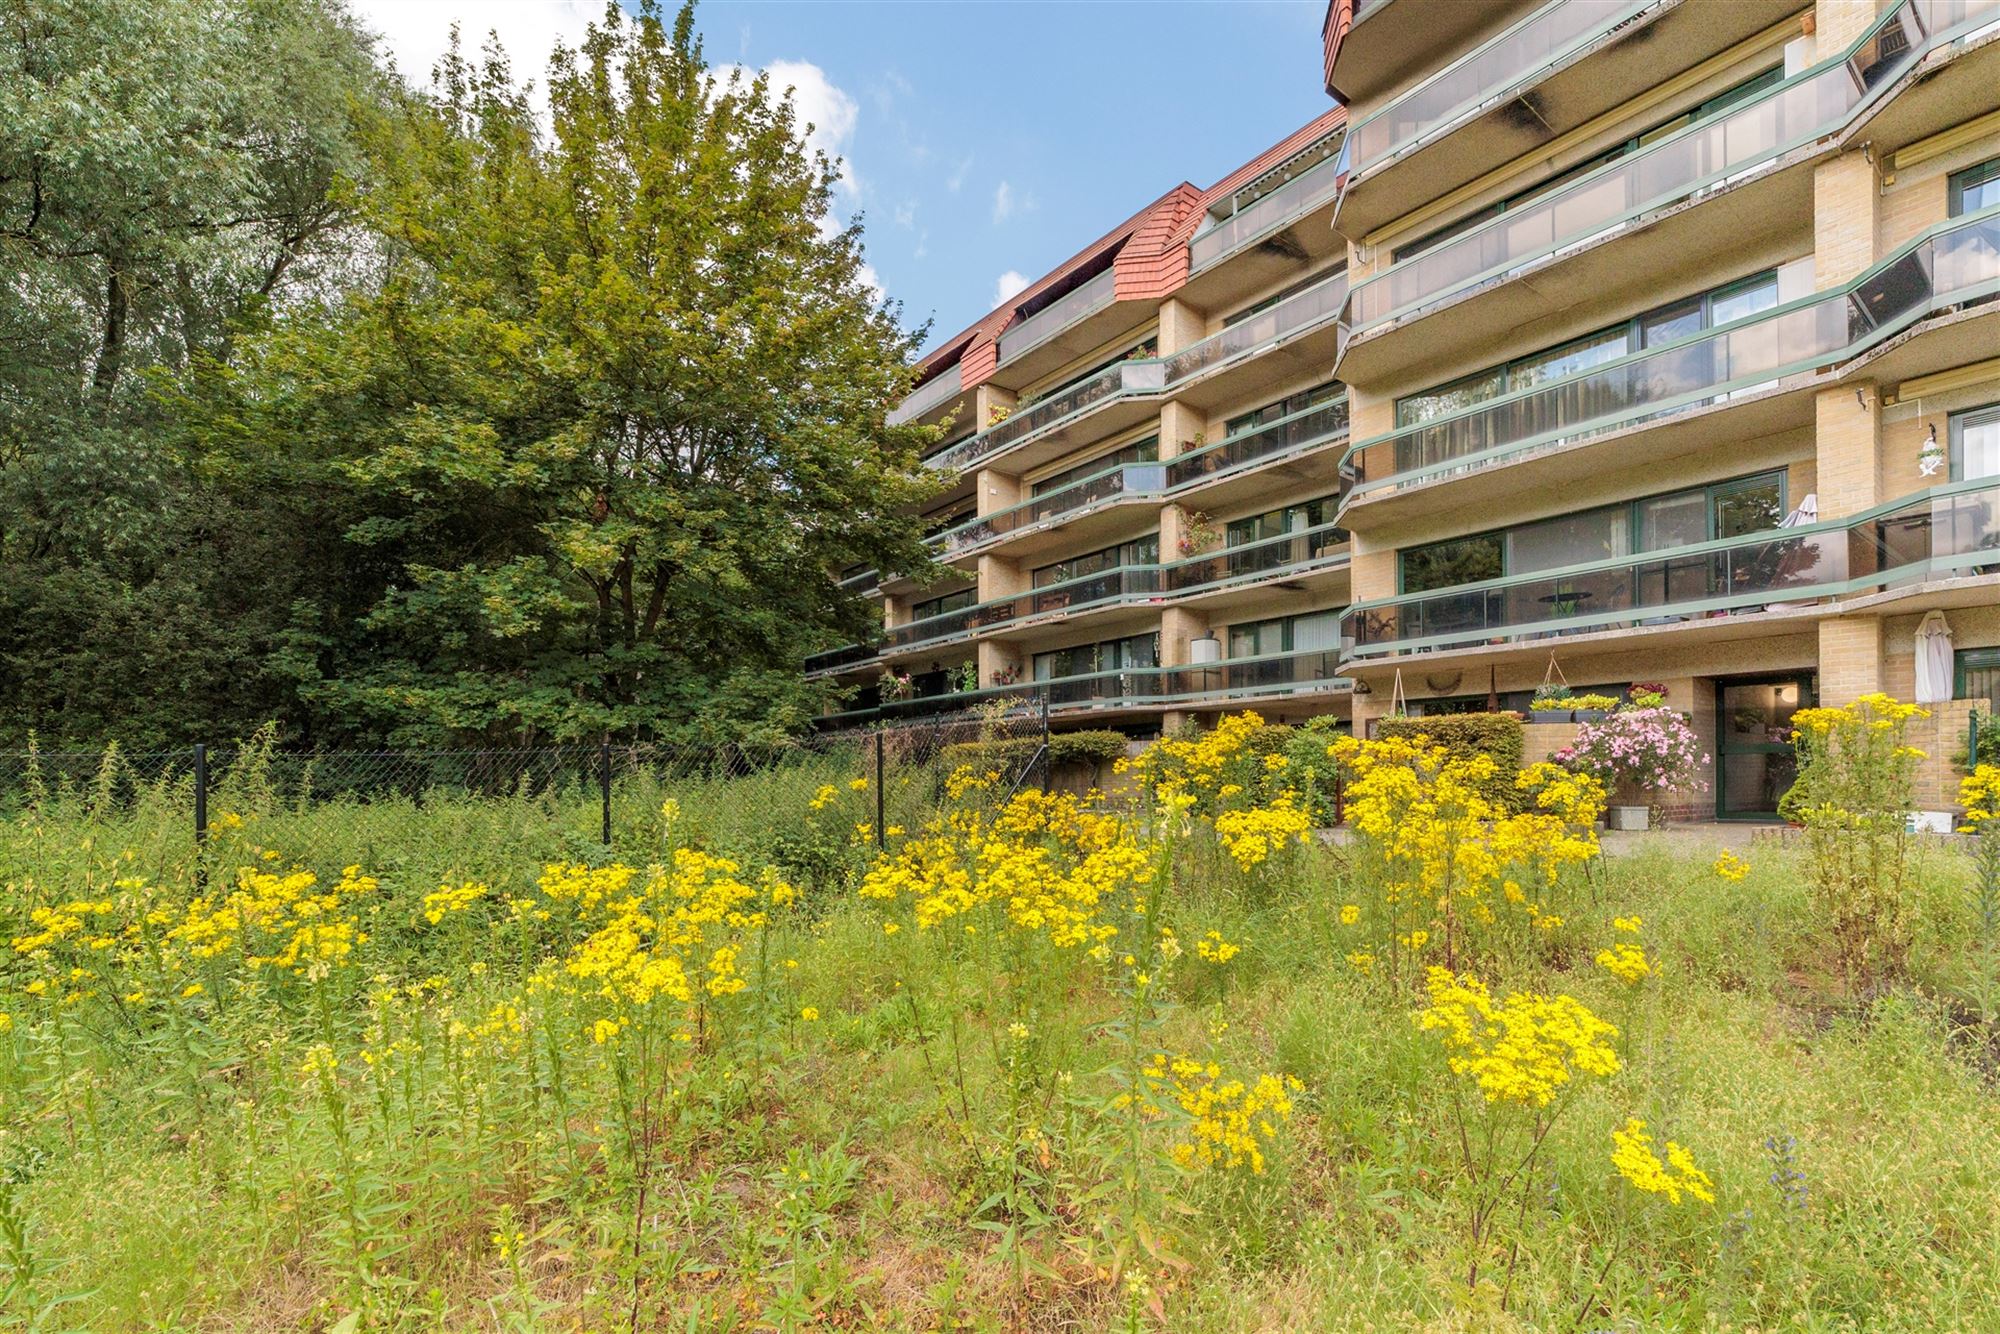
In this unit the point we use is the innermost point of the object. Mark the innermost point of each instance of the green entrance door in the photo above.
(1754, 762)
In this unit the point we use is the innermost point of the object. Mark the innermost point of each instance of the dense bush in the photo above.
(1065, 748)
(1464, 735)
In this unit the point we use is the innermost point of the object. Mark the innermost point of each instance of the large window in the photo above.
(1285, 407)
(1278, 522)
(1721, 102)
(1979, 677)
(1975, 443)
(1975, 188)
(943, 606)
(1678, 319)
(1304, 633)
(1139, 451)
(1140, 551)
(1111, 655)
(1676, 519)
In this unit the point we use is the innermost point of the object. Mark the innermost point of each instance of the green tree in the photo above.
(608, 421)
(169, 174)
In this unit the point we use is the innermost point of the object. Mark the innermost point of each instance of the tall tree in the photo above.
(169, 174)
(608, 425)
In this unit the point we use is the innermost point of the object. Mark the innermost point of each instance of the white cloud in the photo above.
(418, 32)
(824, 106)
(905, 213)
(1003, 202)
(1008, 286)
(958, 175)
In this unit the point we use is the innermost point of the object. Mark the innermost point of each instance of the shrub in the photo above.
(1464, 735)
(1092, 748)
(1650, 749)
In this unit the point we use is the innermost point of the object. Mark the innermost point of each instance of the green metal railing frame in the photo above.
(1865, 105)
(1596, 425)
(1912, 572)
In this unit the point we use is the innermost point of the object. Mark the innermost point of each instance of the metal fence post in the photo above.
(880, 835)
(604, 786)
(1972, 739)
(200, 794)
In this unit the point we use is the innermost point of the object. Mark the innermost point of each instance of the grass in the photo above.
(929, 1129)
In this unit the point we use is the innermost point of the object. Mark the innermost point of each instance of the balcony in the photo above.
(1554, 70)
(1068, 327)
(1140, 689)
(834, 661)
(1303, 329)
(1387, 39)
(1953, 263)
(1221, 471)
(1946, 532)
(941, 391)
(1309, 551)
(1561, 237)
(1952, 81)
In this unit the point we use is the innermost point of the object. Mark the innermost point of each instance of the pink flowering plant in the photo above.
(1652, 749)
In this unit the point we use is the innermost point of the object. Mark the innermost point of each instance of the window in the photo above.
(1284, 294)
(942, 606)
(1317, 631)
(1278, 522)
(1978, 676)
(1112, 655)
(1139, 451)
(1285, 407)
(1679, 319)
(1139, 551)
(1974, 188)
(1714, 106)
(1742, 505)
(1975, 443)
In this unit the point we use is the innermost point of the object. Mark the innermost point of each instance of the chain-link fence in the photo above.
(810, 804)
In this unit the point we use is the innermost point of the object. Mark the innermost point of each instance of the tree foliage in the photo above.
(575, 437)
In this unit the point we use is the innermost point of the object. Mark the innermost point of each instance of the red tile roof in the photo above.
(1150, 253)
(1339, 18)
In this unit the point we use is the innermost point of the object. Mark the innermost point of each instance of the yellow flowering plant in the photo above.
(1979, 797)
(1856, 784)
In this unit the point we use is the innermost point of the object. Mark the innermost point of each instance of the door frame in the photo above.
(1807, 680)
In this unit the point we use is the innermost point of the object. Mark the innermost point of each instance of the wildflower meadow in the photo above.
(1171, 1054)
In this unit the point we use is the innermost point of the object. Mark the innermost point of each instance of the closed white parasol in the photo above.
(1933, 659)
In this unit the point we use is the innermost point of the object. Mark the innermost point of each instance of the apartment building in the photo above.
(1672, 356)
(1140, 473)
(1592, 341)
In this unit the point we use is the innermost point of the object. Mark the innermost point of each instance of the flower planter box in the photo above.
(1553, 716)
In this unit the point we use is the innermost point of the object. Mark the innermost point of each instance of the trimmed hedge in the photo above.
(1092, 748)
(1464, 735)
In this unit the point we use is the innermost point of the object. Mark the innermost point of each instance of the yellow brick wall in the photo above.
(1850, 658)
(1845, 194)
(1846, 432)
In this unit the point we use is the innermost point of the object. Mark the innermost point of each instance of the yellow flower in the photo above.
(809, 1013)
(1632, 1154)
(1630, 925)
(1626, 962)
(1350, 913)
(1215, 949)
(1730, 866)
(1522, 1049)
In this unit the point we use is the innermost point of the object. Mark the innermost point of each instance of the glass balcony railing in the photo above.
(1512, 60)
(1316, 427)
(1300, 552)
(1137, 376)
(1274, 212)
(1705, 156)
(834, 659)
(1317, 305)
(1952, 263)
(1058, 315)
(1127, 479)
(935, 392)
(1320, 427)
(1944, 531)
(1312, 672)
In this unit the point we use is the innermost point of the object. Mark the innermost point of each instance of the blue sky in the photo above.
(989, 139)
(985, 142)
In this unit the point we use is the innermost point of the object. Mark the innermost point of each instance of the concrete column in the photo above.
(1838, 22)
(1181, 429)
(1180, 325)
(1001, 577)
(895, 610)
(1371, 571)
(993, 491)
(1850, 658)
(991, 404)
(1179, 627)
(996, 657)
(1846, 194)
(1847, 435)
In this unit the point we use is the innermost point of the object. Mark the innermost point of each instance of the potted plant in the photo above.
(1550, 703)
(1638, 752)
(1197, 533)
(1590, 708)
(896, 685)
